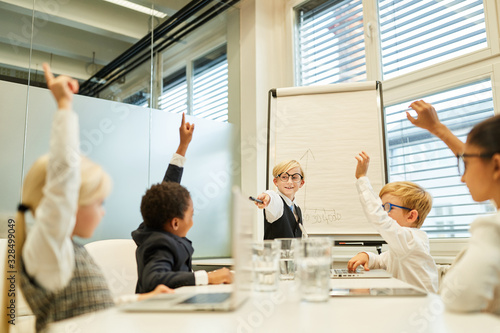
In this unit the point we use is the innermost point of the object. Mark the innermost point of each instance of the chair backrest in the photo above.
(116, 258)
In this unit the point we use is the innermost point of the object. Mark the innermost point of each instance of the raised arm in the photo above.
(396, 236)
(175, 168)
(63, 88)
(186, 135)
(427, 119)
(362, 166)
(48, 251)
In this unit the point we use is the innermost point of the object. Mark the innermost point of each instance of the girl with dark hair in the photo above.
(473, 282)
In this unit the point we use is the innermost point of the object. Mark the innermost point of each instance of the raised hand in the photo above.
(363, 162)
(427, 117)
(62, 87)
(186, 135)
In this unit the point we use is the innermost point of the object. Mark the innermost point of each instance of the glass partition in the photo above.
(14, 61)
(91, 41)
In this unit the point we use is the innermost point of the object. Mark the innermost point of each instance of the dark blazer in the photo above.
(284, 227)
(173, 174)
(163, 258)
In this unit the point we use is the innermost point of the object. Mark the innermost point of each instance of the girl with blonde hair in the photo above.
(64, 192)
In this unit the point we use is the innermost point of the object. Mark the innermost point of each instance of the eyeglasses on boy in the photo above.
(296, 177)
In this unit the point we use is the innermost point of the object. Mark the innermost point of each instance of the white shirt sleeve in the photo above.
(200, 278)
(48, 253)
(377, 261)
(274, 210)
(178, 160)
(473, 282)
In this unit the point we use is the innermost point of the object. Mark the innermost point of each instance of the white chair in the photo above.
(116, 258)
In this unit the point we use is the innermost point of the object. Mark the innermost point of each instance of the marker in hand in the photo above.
(255, 199)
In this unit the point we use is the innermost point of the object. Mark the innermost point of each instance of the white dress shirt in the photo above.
(48, 253)
(274, 210)
(408, 257)
(473, 282)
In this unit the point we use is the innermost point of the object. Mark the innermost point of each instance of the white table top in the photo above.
(282, 311)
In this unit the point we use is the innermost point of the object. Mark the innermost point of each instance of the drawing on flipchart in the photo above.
(306, 155)
(321, 215)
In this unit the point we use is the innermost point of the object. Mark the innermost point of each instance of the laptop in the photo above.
(369, 292)
(343, 273)
(213, 297)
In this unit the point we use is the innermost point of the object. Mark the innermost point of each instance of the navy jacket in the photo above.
(163, 258)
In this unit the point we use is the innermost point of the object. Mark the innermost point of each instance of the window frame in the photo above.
(180, 56)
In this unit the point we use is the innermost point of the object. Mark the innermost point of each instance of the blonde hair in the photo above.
(412, 196)
(95, 184)
(285, 166)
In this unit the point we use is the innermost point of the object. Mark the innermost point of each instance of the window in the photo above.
(140, 98)
(330, 43)
(420, 33)
(174, 97)
(208, 86)
(417, 156)
(443, 51)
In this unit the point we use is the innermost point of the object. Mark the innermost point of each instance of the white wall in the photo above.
(263, 54)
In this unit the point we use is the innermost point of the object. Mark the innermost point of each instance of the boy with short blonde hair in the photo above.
(397, 214)
(282, 216)
(284, 166)
(412, 195)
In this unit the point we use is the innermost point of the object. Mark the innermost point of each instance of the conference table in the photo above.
(283, 311)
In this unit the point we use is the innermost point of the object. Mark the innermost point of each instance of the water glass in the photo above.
(313, 263)
(265, 269)
(287, 247)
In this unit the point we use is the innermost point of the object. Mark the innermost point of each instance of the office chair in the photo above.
(116, 258)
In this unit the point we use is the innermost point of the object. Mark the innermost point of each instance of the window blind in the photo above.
(175, 93)
(330, 42)
(420, 33)
(210, 91)
(415, 155)
(209, 87)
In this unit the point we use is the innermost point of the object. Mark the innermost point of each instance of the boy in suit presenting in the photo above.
(163, 251)
(397, 215)
(282, 217)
